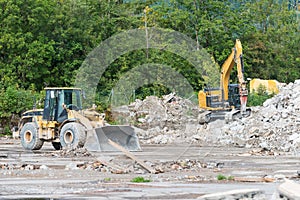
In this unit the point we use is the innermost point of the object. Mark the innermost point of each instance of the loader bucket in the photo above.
(124, 136)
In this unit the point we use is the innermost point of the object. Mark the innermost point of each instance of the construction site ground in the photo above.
(184, 171)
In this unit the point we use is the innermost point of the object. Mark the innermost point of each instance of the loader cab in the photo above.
(58, 100)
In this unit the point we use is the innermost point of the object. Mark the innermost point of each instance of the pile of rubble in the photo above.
(72, 152)
(273, 126)
(161, 120)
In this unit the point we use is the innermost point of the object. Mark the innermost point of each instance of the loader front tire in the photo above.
(30, 137)
(72, 135)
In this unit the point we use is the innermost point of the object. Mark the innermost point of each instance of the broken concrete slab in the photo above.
(241, 194)
(289, 190)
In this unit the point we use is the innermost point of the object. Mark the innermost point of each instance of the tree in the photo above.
(274, 43)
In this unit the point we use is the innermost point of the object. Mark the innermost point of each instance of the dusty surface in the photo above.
(185, 171)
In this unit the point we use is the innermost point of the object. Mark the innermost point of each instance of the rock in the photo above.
(71, 166)
(279, 177)
(297, 82)
(176, 167)
(44, 167)
(284, 114)
(29, 167)
(294, 136)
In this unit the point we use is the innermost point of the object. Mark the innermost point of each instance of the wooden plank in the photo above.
(290, 190)
(114, 167)
(133, 157)
(253, 179)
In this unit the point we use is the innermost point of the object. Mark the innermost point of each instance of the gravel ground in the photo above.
(184, 171)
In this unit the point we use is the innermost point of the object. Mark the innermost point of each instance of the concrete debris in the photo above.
(72, 152)
(133, 157)
(71, 166)
(289, 190)
(186, 165)
(26, 167)
(44, 167)
(161, 120)
(132, 167)
(275, 126)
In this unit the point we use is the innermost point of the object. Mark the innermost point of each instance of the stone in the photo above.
(279, 177)
(71, 166)
(294, 136)
(44, 167)
(29, 167)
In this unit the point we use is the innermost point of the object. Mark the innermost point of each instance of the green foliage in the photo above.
(43, 43)
(221, 177)
(272, 45)
(255, 99)
(14, 101)
(140, 179)
(261, 90)
(107, 179)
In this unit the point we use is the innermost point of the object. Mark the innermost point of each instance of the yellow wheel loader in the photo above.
(65, 124)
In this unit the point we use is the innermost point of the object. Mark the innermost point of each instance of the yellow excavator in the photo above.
(65, 124)
(229, 101)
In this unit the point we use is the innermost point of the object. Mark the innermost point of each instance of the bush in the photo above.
(140, 179)
(14, 101)
(221, 177)
(257, 98)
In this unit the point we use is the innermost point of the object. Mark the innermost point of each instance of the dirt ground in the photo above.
(184, 171)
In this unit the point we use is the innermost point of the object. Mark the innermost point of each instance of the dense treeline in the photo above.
(43, 43)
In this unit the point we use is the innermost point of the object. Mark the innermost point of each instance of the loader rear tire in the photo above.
(72, 135)
(30, 138)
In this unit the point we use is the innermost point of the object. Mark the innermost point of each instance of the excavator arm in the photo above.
(236, 57)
